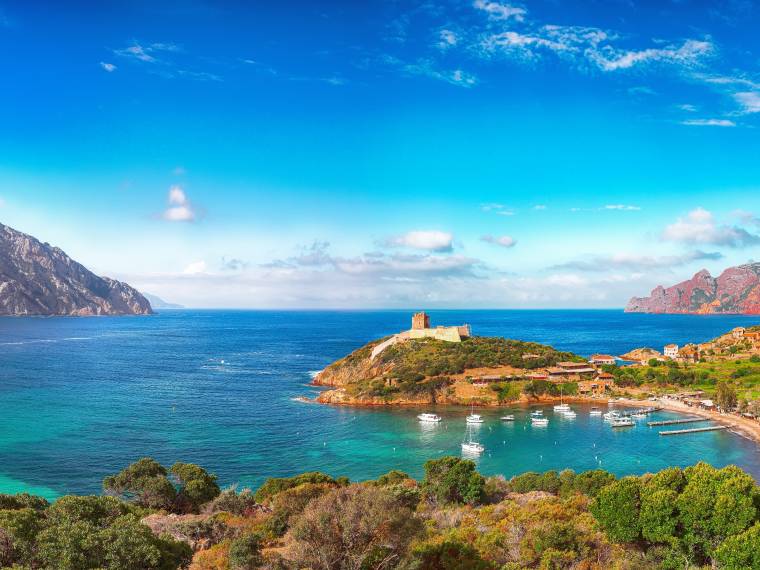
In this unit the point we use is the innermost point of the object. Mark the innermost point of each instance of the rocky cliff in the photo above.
(38, 279)
(736, 290)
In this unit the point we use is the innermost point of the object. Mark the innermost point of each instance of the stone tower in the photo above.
(420, 321)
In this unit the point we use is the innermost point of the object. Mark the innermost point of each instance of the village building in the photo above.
(738, 332)
(598, 385)
(421, 329)
(602, 359)
(689, 353)
(670, 351)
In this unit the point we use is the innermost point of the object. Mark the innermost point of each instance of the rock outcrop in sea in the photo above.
(736, 290)
(39, 279)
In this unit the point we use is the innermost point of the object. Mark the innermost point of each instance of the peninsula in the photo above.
(448, 365)
(37, 279)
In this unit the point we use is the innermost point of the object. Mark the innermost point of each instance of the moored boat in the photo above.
(508, 418)
(622, 422)
(429, 418)
(595, 412)
(536, 421)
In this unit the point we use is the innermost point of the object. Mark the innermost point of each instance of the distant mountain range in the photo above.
(736, 290)
(39, 279)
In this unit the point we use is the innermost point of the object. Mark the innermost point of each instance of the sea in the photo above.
(81, 398)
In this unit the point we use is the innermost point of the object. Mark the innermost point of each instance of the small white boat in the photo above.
(508, 418)
(429, 418)
(561, 407)
(595, 412)
(537, 414)
(612, 415)
(639, 416)
(474, 418)
(539, 421)
(569, 414)
(472, 447)
(623, 422)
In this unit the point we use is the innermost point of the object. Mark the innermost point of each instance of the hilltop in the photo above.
(429, 370)
(736, 290)
(39, 279)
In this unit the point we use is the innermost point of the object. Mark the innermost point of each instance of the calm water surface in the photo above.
(81, 398)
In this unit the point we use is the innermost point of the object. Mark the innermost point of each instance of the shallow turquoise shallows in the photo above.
(81, 398)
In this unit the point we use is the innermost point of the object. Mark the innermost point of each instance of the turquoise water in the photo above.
(81, 398)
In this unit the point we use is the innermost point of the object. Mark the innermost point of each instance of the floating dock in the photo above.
(674, 422)
(692, 430)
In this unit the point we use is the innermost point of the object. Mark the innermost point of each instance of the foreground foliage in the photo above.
(455, 518)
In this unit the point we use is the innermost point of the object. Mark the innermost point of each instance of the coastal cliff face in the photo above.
(38, 279)
(736, 290)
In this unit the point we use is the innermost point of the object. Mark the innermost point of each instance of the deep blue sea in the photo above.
(82, 398)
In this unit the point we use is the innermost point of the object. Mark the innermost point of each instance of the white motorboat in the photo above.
(536, 421)
(612, 415)
(595, 412)
(639, 416)
(569, 414)
(508, 418)
(537, 414)
(622, 422)
(435, 418)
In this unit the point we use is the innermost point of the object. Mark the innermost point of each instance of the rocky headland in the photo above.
(37, 279)
(736, 290)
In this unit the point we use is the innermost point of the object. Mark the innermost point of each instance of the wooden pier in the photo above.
(674, 422)
(692, 430)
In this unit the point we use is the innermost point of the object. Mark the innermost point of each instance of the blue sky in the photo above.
(385, 154)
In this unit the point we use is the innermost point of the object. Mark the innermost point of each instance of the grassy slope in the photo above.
(416, 366)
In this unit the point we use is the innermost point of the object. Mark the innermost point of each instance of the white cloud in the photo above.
(501, 11)
(539, 207)
(499, 209)
(624, 207)
(708, 123)
(749, 101)
(145, 53)
(502, 241)
(109, 67)
(447, 39)
(700, 227)
(428, 68)
(195, 268)
(430, 240)
(689, 108)
(688, 54)
(635, 262)
(179, 208)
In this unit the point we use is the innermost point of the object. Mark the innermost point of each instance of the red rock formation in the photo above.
(736, 290)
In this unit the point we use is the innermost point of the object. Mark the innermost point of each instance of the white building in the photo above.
(670, 351)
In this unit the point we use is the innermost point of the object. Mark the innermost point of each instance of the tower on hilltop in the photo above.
(420, 321)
